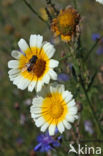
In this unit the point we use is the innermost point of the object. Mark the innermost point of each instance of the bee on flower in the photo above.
(66, 24)
(54, 108)
(33, 65)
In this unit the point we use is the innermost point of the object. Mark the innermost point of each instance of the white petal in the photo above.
(31, 86)
(13, 71)
(14, 76)
(16, 54)
(53, 74)
(13, 64)
(66, 124)
(71, 103)
(33, 40)
(23, 45)
(35, 110)
(17, 80)
(57, 88)
(23, 84)
(60, 127)
(39, 122)
(39, 85)
(67, 96)
(37, 101)
(53, 63)
(39, 41)
(35, 116)
(76, 117)
(53, 89)
(20, 84)
(73, 110)
(49, 49)
(70, 118)
(12, 79)
(44, 127)
(47, 78)
(52, 128)
(36, 41)
(60, 88)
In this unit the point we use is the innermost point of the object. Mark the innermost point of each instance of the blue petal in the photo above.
(42, 149)
(95, 37)
(45, 148)
(40, 137)
(22, 52)
(38, 147)
(56, 144)
(48, 148)
(100, 50)
(63, 77)
(47, 133)
(60, 137)
(56, 130)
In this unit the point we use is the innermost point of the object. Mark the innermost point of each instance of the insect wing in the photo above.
(25, 67)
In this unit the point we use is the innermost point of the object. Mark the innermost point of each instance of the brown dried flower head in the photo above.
(66, 23)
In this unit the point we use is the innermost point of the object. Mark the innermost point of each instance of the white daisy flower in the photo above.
(54, 107)
(100, 1)
(33, 65)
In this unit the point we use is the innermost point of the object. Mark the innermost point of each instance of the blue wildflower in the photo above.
(46, 142)
(95, 37)
(88, 127)
(100, 50)
(63, 77)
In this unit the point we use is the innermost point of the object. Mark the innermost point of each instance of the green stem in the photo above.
(75, 4)
(66, 56)
(92, 81)
(35, 12)
(49, 2)
(92, 48)
(91, 107)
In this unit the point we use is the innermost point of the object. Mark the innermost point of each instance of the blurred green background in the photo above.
(17, 131)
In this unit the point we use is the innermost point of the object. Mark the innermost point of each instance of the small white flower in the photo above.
(33, 65)
(54, 107)
(100, 1)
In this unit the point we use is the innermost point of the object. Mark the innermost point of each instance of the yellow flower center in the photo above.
(66, 19)
(66, 22)
(54, 108)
